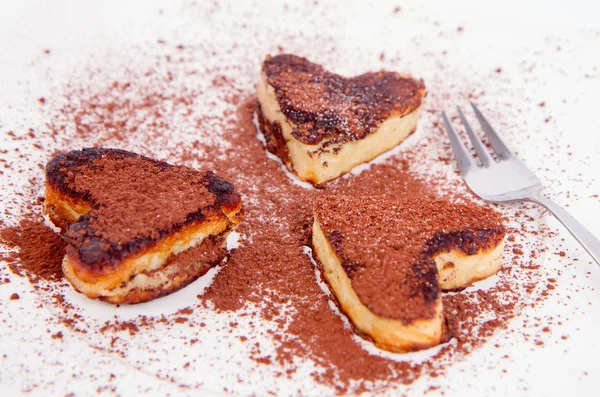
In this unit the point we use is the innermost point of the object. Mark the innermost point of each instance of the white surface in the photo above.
(516, 36)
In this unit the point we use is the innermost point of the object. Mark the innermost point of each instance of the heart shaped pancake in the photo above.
(387, 261)
(322, 124)
(137, 228)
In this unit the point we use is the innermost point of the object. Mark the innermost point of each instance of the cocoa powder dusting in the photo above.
(323, 105)
(279, 220)
(387, 246)
(273, 270)
(134, 200)
(38, 251)
(270, 268)
(159, 82)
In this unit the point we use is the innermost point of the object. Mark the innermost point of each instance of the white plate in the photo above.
(547, 52)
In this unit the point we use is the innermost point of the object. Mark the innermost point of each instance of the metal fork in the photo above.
(508, 179)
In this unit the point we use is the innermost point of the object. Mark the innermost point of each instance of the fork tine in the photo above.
(463, 158)
(482, 152)
(499, 147)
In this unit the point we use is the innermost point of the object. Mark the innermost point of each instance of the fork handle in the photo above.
(585, 238)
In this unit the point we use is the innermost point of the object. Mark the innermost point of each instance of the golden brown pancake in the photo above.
(322, 125)
(137, 228)
(382, 260)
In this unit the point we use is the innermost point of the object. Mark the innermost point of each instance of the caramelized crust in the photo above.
(321, 125)
(177, 272)
(125, 215)
(87, 178)
(274, 139)
(323, 105)
(383, 259)
(387, 333)
(146, 259)
(62, 209)
(388, 248)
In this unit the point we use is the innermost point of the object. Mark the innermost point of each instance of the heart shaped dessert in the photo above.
(387, 261)
(137, 228)
(322, 125)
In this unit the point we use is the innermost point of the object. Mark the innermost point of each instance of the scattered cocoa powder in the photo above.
(275, 262)
(274, 271)
(270, 267)
(38, 251)
(119, 326)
